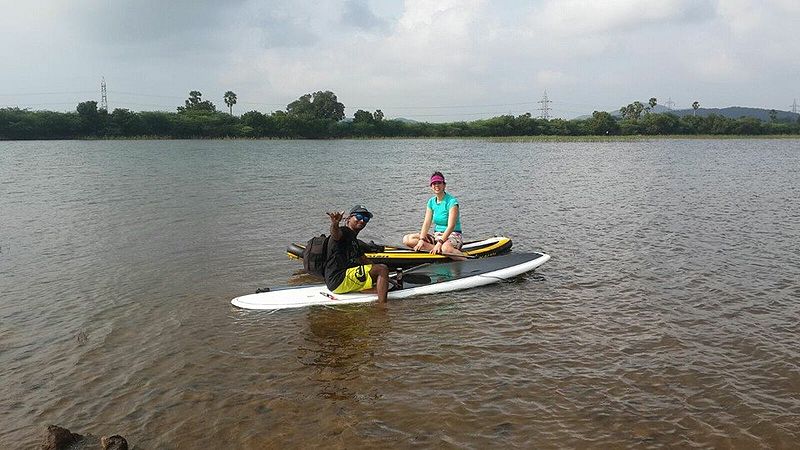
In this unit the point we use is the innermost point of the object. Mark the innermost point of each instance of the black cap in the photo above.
(361, 210)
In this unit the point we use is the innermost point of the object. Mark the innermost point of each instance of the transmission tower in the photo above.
(545, 109)
(794, 106)
(670, 103)
(103, 96)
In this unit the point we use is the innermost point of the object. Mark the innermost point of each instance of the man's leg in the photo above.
(380, 273)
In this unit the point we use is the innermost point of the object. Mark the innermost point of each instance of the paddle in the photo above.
(399, 276)
(454, 255)
(449, 255)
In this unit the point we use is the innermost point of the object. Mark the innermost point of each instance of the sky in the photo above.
(426, 60)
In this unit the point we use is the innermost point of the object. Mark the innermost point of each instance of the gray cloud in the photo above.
(144, 23)
(406, 53)
(357, 14)
(284, 29)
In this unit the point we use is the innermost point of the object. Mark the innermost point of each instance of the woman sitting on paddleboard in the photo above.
(442, 211)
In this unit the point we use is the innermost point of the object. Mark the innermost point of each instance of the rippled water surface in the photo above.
(668, 316)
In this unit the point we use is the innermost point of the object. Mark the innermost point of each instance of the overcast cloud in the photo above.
(427, 60)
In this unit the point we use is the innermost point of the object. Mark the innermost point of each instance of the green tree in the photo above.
(378, 115)
(230, 100)
(125, 123)
(695, 107)
(651, 104)
(654, 124)
(301, 107)
(157, 123)
(525, 125)
(87, 110)
(603, 123)
(319, 105)
(749, 125)
(691, 124)
(195, 103)
(773, 115)
(633, 111)
(362, 116)
(258, 122)
(89, 116)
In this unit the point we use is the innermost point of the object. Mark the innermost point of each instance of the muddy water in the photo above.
(668, 316)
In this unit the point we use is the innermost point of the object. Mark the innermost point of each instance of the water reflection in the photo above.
(340, 344)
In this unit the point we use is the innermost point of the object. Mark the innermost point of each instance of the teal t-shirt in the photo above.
(441, 211)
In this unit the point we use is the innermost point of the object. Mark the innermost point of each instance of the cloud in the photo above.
(720, 67)
(153, 24)
(377, 54)
(553, 77)
(582, 17)
(281, 29)
(357, 14)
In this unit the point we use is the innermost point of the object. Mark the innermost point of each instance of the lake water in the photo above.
(669, 315)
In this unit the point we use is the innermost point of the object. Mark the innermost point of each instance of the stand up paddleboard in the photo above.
(427, 279)
(395, 257)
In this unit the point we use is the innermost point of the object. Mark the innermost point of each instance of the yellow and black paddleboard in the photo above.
(395, 257)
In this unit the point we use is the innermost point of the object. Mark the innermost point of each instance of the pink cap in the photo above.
(437, 179)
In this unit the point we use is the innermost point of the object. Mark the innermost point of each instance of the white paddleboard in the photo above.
(428, 279)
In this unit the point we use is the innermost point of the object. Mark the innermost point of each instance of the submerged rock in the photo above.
(115, 442)
(59, 438)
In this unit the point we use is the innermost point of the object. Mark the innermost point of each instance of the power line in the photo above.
(794, 106)
(48, 93)
(281, 105)
(460, 106)
(39, 104)
(509, 108)
(148, 95)
(471, 114)
(669, 103)
(491, 105)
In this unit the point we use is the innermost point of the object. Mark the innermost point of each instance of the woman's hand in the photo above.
(437, 249)
(419, 245)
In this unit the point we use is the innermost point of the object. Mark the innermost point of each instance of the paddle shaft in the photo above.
(449, 255)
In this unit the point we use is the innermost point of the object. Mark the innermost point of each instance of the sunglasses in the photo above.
(361, 217)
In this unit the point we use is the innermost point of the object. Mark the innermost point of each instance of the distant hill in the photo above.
(399, 119)
(404, 120)
(732, 112)
(735, 112)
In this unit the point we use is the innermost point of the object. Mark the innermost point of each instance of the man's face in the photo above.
(357, 221)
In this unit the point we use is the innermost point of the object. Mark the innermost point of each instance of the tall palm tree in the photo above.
(230, 100)
(695, 106)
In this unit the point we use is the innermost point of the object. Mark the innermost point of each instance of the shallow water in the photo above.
(668, 315)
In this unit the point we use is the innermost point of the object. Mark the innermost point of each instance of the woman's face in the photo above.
(437, 187)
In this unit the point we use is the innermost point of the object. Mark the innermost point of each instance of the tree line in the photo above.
(320, 115)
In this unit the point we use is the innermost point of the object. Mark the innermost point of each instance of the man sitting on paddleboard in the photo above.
(346, 267)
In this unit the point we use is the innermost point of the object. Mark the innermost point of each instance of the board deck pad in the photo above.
(444, 277)
(455, 270)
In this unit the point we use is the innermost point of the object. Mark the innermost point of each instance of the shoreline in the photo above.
(533, 138)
